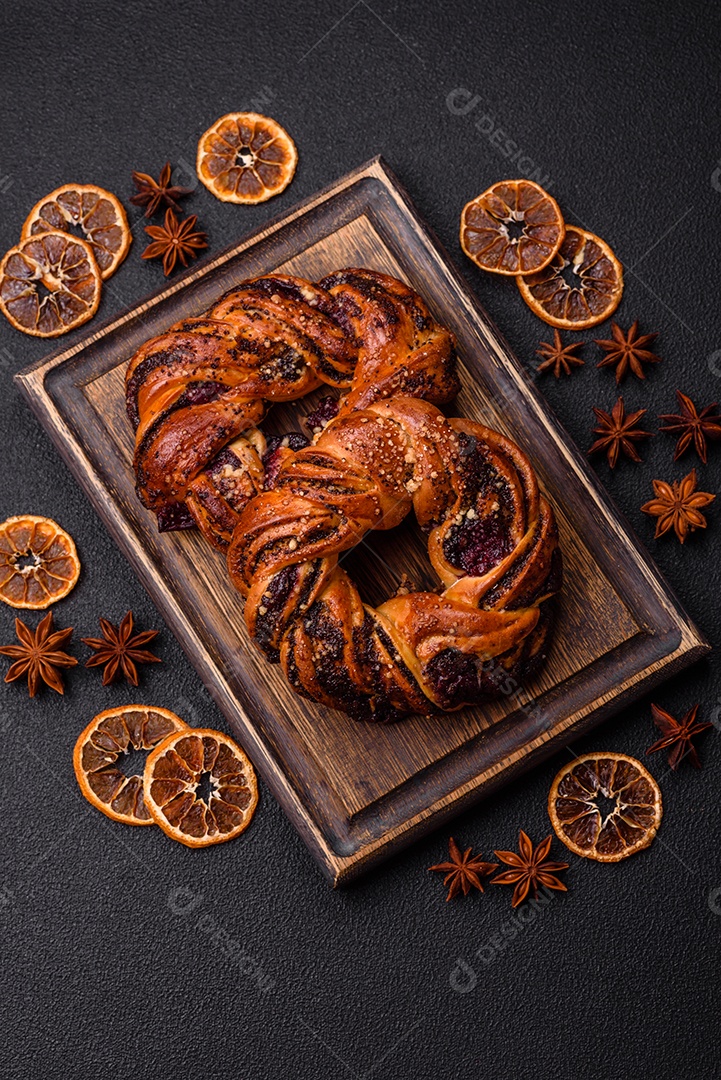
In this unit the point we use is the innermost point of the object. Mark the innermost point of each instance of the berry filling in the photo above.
(219, 462)
(454, 677)
(325, 411)
(477, 545)
(174, 517)
(200, 393)
(273, 457)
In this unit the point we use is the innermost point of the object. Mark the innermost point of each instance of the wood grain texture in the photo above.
(358, 792)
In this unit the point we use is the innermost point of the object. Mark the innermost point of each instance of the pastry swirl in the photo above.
(287, 515)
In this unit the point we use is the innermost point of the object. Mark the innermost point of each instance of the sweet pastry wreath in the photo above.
(285, 511)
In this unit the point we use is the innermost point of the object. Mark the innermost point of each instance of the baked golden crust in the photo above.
(492, 541)
(286, 517)
(195, 393)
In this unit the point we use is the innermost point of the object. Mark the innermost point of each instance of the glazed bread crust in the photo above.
(287, 513)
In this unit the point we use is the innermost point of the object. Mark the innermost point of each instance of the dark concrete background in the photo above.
(128, 955)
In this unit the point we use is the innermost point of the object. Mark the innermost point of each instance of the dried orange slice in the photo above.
(100, 749)
(246, 158)
(173, 773)
(605, 806)
(38, 562)
(49, 284)
(580, 287)
(97, 213)
(515, 227)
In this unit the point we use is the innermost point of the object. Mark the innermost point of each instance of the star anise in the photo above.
(677, 735)
(39, 655)
(119, 650)
(559, 357)
(530, 869)
(618, 432)
(677, 506)
(463, 872)
(693, 426)
(174, 241)
(152, 194)
(628, 351)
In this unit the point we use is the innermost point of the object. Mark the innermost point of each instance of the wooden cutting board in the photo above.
(358, 792)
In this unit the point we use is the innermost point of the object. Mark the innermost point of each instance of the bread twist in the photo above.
(287, 516)
(492, 542)
(195, 394)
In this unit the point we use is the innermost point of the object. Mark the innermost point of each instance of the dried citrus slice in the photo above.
(515, 227)
(99, 752)
(605, 806)
(580, 287)
(38, 562)
(49, 284)
(97, 213)
(173, 773)
(246, 158)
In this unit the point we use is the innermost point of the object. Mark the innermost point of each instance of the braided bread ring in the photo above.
(195, 395)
